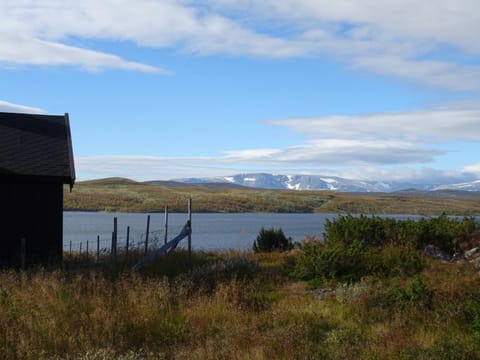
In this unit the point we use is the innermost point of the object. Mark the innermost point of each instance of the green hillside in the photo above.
(117, 194)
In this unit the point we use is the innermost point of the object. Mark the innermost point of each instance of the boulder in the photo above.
(472, 253)
(436, 253)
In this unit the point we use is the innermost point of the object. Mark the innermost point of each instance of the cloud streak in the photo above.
(427, 126)
(143, 168)
(18, 50)
(337, 152)
(433, 43)
(6, 106)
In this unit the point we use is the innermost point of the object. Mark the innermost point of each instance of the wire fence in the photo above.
(133, 241)
(113, 243)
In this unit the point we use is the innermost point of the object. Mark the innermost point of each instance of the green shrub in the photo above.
(444, 232)
(363, 230)
(272, 240)
(416, 293)
(351, 263)
(393, 261)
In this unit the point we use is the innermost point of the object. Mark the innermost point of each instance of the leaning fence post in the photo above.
(146, 236)
(23, 252)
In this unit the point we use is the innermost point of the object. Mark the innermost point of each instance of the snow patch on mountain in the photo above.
(318, 182)
(468, 186)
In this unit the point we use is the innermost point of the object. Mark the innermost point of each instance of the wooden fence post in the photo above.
(81, 248)
(146, 236)
(166, 225)
(70, 247)
(98, 247)
(86, 250)
(114, 238)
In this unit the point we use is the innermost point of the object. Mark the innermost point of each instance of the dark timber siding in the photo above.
(33, 211)
(36, 160)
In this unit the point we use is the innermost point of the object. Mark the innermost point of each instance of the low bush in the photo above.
(351, 263)
(272, 240)
(416, 293)
(444, 232)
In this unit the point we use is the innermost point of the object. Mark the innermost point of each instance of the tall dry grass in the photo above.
(237, 306)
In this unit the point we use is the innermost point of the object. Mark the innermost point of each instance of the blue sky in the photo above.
(165, 89)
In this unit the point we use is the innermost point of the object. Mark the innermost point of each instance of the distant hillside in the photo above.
(108, 181)
(441, 194)
(117, 194)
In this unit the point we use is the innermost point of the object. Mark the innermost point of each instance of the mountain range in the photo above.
(318, 182)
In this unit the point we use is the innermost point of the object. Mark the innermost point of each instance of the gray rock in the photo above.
(436, 253)
(472, 253)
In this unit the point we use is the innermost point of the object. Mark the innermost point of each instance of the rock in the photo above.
(472, 253)
(322, 294)
(436, 253)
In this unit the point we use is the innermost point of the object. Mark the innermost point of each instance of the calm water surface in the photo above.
(210, 231)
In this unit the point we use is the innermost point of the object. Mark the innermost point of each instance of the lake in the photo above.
(212, 231)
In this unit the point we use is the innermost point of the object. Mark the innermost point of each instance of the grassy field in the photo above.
(236, 306)
(130, 196)
(366, 292)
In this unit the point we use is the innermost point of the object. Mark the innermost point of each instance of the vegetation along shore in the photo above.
(369, 291)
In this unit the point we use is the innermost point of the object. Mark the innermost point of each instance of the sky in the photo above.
(165, 89)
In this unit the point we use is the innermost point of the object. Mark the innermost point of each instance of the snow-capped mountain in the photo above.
(318, 182)
(467, 186)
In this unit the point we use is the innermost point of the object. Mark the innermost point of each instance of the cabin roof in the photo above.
(39, 146)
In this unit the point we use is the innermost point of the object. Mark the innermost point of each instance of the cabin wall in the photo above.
(33, 211)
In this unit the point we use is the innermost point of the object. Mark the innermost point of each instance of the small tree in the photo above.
(272, 240)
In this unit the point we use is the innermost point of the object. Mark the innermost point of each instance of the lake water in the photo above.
(210, 231)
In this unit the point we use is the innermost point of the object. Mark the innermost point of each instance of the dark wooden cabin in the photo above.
(36, 160)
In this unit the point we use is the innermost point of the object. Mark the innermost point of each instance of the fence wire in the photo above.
(136, 241)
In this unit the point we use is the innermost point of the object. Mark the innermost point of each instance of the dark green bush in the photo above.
(351, 263)
(363, 230)
(372, 231)
(359, 246)
(272, 240)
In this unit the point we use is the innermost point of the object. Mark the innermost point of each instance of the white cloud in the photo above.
(16, 50)
(389, 146)
(142, 168)
(10, 107)
(337, 152)
(422, 42)
(38, 33)
(426, 126)
(147, 167)
(473, 168)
